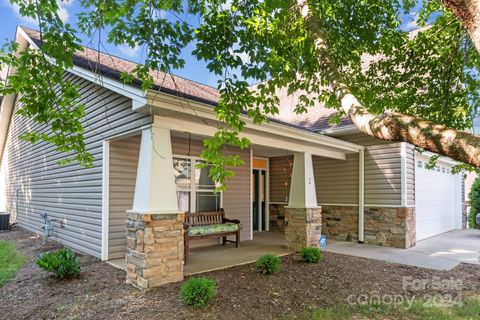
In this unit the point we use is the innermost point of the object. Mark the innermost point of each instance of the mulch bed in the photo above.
(243, 293)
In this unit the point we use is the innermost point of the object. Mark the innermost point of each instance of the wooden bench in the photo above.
(210, 224)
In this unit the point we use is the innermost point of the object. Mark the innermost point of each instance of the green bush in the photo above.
(63, 263)
(474, 197)
(311, 254)
(268, 264)
(198, 292)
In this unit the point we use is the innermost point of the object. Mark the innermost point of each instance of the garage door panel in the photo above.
(435, 201)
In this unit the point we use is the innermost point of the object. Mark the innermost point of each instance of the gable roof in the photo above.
(316, 119)
(112, 67)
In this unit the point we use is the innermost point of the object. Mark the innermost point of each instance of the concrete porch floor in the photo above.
(216, 257)
(205, 259)
(442, 252)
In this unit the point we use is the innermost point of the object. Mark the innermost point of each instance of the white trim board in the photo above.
(256, 137)
(105, 198)
(171, 104)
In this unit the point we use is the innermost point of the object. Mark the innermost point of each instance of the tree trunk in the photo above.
(436, 138)
(468, 12)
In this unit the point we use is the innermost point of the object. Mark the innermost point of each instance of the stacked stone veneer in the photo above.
(155, 249)
(303, 227)
(393, 227)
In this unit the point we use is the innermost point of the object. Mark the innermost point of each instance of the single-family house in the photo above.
(301, 176)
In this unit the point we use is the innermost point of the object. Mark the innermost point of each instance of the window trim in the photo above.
(193, 184)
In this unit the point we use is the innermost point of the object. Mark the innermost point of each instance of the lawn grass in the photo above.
(418, 311)
(10, 261)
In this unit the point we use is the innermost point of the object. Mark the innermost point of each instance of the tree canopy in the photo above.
(325, 49)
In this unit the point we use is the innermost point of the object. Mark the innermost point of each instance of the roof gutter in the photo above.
(350, 129)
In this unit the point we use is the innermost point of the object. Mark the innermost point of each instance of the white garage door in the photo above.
(436, 199)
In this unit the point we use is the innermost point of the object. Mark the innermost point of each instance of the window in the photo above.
(195, 189)
(420, 164)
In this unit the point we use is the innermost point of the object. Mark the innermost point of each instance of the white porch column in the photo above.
(155, 190)
(155, 248)
(303, 216)
(302, 188)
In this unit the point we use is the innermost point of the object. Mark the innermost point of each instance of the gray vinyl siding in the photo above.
(236, 199)
(410, 174)
(123, 164)
(68, 192)
(280, 170)
(336, 181)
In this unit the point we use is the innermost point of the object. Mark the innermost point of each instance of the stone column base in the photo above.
(155, 249)
(303, 227)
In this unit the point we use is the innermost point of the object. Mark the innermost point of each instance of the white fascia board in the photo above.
(256, 137)
(175, 104)
(138, 97)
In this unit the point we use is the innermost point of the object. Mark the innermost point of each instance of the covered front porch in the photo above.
(209, 258)
(273, 195)
(214, 257)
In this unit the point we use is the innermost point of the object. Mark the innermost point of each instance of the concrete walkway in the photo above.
(443, 252)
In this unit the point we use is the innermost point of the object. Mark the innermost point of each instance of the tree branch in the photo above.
(468, 12)
(422, 133)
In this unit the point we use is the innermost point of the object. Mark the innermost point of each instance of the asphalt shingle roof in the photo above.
(316, 119)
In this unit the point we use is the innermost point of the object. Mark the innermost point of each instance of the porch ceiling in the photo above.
(201, 120)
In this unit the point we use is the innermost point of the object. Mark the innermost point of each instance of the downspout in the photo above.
(361, 195)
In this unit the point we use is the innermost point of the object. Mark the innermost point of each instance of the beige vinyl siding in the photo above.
(280, 170)
(69, 192)
(123, 165)
(410, 174)
(383, 175)
(383, 170)
(336, 181)
(236, 199)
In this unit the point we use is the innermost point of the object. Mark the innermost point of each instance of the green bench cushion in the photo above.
(212, 229)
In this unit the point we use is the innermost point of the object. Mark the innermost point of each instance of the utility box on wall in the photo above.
(4, 221)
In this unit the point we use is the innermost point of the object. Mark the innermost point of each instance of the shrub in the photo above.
(198, 292)
(63, 263)
(474, 197)
(311, 255)
(268, 264)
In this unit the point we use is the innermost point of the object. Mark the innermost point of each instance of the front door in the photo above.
(259, 179)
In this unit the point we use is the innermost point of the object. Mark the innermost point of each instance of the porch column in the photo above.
(154, 225)
(303, 216)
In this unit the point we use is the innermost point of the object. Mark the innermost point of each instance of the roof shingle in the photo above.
(316, 119)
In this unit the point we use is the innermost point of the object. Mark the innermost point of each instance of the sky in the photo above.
(194, 70)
